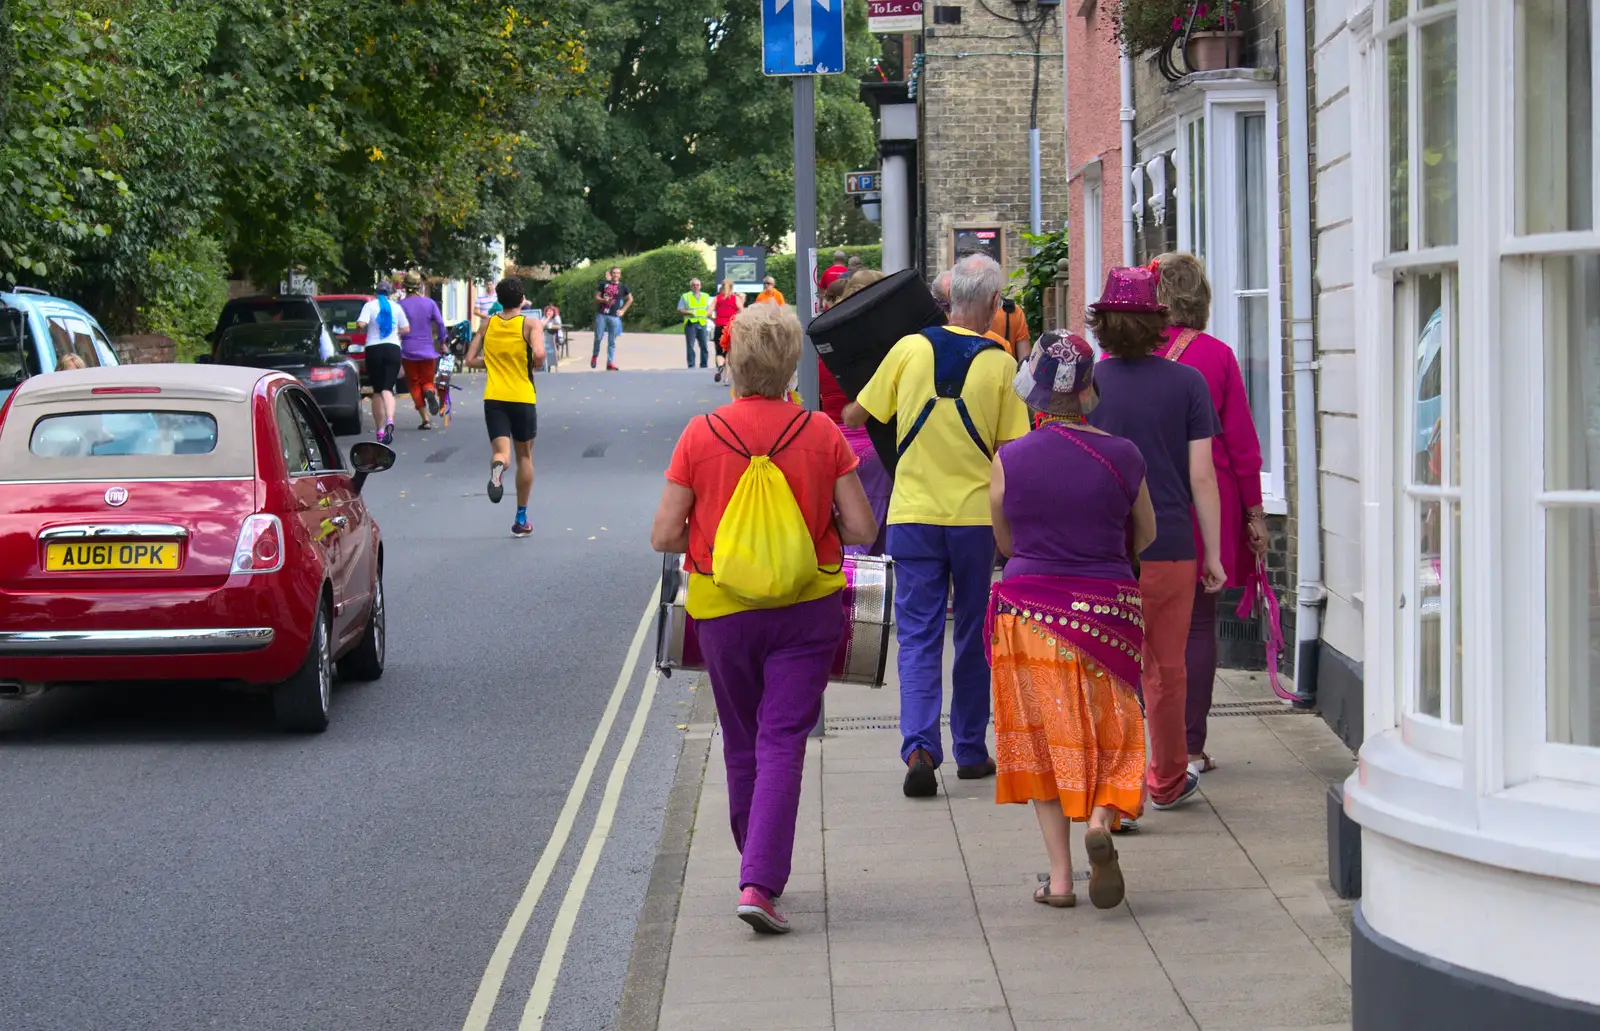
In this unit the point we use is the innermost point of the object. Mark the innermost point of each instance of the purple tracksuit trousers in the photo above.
(768, 670)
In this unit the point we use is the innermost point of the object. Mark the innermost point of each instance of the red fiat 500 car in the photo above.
(180, 522)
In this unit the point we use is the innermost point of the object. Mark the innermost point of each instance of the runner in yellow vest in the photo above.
(510, 345)
(696, 309)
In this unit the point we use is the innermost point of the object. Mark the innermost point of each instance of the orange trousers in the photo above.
(419, 377)
(1168, 589)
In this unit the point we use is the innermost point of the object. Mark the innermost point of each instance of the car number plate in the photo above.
(110, 556)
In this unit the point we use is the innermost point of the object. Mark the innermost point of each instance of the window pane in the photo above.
(1555, 112)
(1573, 676)
(1253, 240)
(1255, 332)
(1428, 381)
(1397, 10)
(1428, 590)
(1399, 154)
(1453, 586)
(1197, 187)
(1439, 133)
(1572, 373)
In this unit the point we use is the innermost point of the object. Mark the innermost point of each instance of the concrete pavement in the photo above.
(916, 914)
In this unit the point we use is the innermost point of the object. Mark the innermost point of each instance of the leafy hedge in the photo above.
(657, 278)
(781, 266)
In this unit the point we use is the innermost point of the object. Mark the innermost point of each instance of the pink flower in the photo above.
(1177, 23)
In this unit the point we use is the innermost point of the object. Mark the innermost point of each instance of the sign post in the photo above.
(804, 39)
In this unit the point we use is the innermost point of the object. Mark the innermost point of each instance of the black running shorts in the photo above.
(515, 419)
(383, 366)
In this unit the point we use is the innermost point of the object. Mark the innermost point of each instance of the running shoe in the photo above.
(1191, 785)
(497, 473)
(432, 400)
(758, 910)
(387, 436)
(594, 361)
(521, 529)
(612, 367)
(718, 377)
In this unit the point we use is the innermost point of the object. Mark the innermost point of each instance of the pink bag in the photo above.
(1259, 589)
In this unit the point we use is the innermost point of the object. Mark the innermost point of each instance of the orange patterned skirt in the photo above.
(1063, 729)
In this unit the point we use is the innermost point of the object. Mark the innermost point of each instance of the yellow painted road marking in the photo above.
(494, 974)
(555, 950)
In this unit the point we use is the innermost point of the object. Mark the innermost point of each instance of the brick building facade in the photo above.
(1094, 158)
(976, 92)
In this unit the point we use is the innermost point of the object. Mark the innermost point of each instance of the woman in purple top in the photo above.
(1165, 409)
(1065, 626)
(421, 347)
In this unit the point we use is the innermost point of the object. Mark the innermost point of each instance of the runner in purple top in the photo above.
(421, 346)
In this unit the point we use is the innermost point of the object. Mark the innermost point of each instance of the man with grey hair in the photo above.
(941, 290)
(949, 389)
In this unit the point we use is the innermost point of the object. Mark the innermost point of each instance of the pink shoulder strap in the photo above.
(1181, 344)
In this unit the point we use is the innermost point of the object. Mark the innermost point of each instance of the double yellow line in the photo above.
(555, 949)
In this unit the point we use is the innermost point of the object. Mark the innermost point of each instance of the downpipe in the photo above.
(1127, 115)
(1309, 590)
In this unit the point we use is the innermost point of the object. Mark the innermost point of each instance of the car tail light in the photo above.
(126, 390)
(260, 547)
(327, 374)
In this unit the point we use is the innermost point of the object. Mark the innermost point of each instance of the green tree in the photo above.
(689, 140)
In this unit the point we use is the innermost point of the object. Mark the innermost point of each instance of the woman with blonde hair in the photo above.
(1236, 452)
(723, 309)
(768, 665)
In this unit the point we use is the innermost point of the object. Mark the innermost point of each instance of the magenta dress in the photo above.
(1236, 451)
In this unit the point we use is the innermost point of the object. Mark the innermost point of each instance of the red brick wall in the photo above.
(1094, 96)
(145, 349)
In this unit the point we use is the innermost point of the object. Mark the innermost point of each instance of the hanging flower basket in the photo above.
(1209, 51)
(1143, 26)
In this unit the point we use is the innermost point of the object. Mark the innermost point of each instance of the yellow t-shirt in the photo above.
(509, 360)
(943, 479)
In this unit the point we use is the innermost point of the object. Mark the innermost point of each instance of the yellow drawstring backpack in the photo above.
(763, 554)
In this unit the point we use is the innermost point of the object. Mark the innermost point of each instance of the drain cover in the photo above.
(596, 450)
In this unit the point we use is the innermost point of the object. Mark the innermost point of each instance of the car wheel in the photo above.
(300, 703)
(348, 425)
(366, 661)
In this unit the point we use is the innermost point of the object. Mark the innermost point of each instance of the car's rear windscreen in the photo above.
(249, 341)
(123, 434)
(341, 315)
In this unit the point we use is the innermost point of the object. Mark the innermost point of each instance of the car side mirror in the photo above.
(368, 457)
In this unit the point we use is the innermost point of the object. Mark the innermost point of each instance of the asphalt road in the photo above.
(170, 862)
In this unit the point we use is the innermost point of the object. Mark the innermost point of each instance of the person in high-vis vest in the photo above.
(696, 309)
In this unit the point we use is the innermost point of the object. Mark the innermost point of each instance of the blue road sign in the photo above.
(802, 37)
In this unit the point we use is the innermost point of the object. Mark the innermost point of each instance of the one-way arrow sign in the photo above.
(799, 40)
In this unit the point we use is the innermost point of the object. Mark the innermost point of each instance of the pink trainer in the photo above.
(760, 912)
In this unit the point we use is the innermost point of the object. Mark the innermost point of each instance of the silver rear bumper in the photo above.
(134, 642)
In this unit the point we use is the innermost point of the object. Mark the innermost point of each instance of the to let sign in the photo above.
(894, 16)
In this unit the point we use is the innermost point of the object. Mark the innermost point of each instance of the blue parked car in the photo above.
(38, 331)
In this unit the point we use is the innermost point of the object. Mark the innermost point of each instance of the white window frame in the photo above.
(1212, 117)
(1507, 797)
(1094, 275)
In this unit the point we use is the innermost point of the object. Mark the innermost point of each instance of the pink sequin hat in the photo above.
(1130, 289)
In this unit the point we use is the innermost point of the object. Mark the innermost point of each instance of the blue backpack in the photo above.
(953, 354)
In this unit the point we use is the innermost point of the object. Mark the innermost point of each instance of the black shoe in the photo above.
(982, 770)
(921, 781)
(432, 400)
(497, 488)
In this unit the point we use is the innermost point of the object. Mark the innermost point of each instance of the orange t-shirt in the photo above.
(1011, 329)
(816, 458)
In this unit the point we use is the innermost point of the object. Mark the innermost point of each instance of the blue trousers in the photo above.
(693, 331)
(927, 561)
(605, 325)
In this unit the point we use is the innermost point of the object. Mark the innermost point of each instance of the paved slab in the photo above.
(916, 913)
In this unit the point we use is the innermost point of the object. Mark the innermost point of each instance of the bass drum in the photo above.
(863, 655)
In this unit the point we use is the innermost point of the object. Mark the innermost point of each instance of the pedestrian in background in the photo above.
(383, 321)
(1071, 509)
(854, 265)
(727, 305)
(1011, 325)
(768, 666)
(770, 294)
(949, 388)
(1165, 409)
(553, 334)
(837, 270)
(875, 476)
(510, 345)
(422, 344)
(1236, 453)
(695, 306)
(612, 302)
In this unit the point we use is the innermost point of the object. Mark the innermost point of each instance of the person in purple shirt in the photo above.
(1165, 409)
(421, 347)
